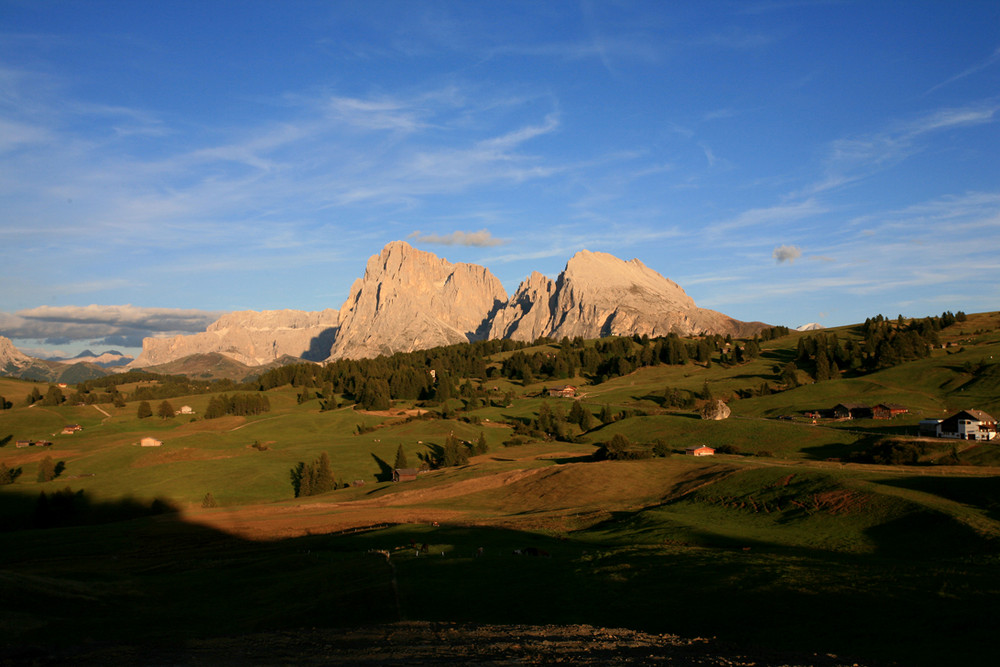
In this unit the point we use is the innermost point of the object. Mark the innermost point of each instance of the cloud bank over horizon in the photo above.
(111, 326)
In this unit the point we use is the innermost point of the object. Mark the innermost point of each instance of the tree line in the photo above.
(433, 375)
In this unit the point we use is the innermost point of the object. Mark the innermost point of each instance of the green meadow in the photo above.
(790, 541)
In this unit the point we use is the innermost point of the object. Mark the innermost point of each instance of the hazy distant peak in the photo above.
(812, 326)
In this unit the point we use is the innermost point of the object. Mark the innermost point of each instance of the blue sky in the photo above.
(783, 161)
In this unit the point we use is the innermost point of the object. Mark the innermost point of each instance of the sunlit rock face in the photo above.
(600, 295)
(251, 337)
(410, 300)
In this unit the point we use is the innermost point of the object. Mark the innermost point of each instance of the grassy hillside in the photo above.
(788, 541)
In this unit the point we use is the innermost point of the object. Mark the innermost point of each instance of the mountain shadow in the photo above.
(320, 346)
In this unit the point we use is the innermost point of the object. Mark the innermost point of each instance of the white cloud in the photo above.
(483, 238)
(786, 253)
(66, 323)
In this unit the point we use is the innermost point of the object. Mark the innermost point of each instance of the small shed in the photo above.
(888, 410)
(404, 474)
(70, 429)
(185, 410)
(702, 450)
(149, 442)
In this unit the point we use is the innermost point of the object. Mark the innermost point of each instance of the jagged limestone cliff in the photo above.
(250, 337)
(410, 300)
(11, 358)
(600, 295)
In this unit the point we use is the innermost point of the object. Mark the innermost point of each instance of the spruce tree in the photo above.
(322, 479)
(606, 415)
(46, 470)
(165, 411)
(401, 461)
(144, 410)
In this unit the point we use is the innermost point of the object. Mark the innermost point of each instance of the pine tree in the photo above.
(606, 415)
(822, 366)
(322, 479)
(144, 410)
(46, 470)
(34, 396)
(481, 446)
(165, 411)
(401, 461)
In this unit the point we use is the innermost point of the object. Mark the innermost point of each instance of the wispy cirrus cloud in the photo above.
(851, 159)
(764, 217)
(993, 59)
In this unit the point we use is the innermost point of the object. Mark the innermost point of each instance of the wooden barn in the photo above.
(888, 410)
(404, 474)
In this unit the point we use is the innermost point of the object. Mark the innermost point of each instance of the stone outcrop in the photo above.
(411, 300)
(600, 295)
(250, 337)
(715, 409)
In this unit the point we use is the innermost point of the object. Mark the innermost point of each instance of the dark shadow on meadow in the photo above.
(136, 573)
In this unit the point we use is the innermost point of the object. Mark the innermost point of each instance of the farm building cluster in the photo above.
(32, 443)
(963, 425)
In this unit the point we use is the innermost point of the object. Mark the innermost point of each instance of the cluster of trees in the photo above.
(48, 469)
(457, 452)
(310, 479)
(53, 396)
(885, 343)
(890, 452)
(8, 475)
(74, 508)
(165, 410)
(431, 375)
(154, 386)
(241, 405)
(620, 448)
(616, 356)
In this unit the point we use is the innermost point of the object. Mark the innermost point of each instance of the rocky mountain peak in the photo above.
(411, 299)
(10, 356)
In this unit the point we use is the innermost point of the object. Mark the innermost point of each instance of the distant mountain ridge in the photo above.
(14, 363)
(109, 359)
(410, 299)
